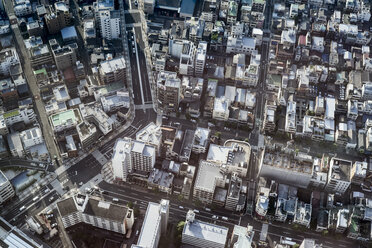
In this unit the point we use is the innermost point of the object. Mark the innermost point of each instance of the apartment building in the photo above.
(96, 212)
(116, 101)
(148, 6)
(102, 5)
(22, 8)
(290, 117)
(240, 45)
(93, 113)
(31, 137)
(58, 18)
(40, 54)
(87, 133)
(6, 188)
(65, 120)
(202, 234)
(340, 175)
(169, 91)
(187, 59)
(132, 156)
(8, 58)
(233, 193)
(201, 140)
(65, 57)
(152, 135)
(15, 145)
(242, 236)
(112, 70)
(109, 22)
(154, 224)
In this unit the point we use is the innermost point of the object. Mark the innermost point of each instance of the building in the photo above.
(290, 117)
(95, 114)
(201, 140)
(22, 8)
(112, 70)
(8, 58)
(65, 120)
(161, 180)
(242, 237)
(65, 57)
(210, 176)
(109, 22)
(221, 109)
(15, 145)
(233, 193)
(40, 54)
(59, 18)
(11, 236)
(202, 234)
(152, 135)
(154, 225)
(283, 168)
(31, 137)
(25, 115)
(240, 45)
(340, 175)
(116, 101)
(96, 212)
(200, 58)
(6, 189)
(169, 91)
(148, 6)
(61, 93)
(87, 133)
(132, 156)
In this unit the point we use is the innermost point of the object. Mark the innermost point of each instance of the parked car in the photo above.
(180, 207)
(53, 225)
(22, 208)
(215, 217)
(225, 218)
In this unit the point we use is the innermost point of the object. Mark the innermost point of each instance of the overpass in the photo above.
(27, 164)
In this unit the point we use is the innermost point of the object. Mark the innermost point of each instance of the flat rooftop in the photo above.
(206, 231)
(207, 175)
(150, 225)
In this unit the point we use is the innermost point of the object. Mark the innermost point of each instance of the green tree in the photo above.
(218, 135)
(130, 205)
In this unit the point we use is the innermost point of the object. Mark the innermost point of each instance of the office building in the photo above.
(8, 58)
(233, 193)
(40, 54)
(112, 70)
(87, 133)
(154, 225)
(95, 211)
(65, 57)
(6, 188)
(290, 117)
(109, 24)
(148, 6)
(340, 174)
(22, 8)
(201, 140)
(132, 156)
(15, 145)
(116, 101)
(102, 5)
(202, 234)
(11, 236)
(169, 91)
(93, 113)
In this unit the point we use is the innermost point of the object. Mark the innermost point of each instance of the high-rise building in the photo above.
(340, 174)
(6, 188)
(200, 58)
(130, 156)
(65, 57)
(109, 24)
(154, 225)
(148, 6)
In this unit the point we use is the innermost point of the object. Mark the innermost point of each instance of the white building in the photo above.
(61, 93)
(109, 22)
(114, 102)
(221, 109)
(154, 225)
(22, 8)
(242, 236)
(202, 234)
(201, 140)
(200, 58)
(151, 134)
(290, 117)
(240, 45)
(8, 57)
(6, 189)
(130, 156)
(318, 44)
(31, 137)
(96, 212)
(15, 145)
(339, 175)
(96, 115)
(19, 115)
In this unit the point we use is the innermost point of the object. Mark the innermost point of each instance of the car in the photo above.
(136, 3)
(215, 217)
(207, 209)
(35, 198)
(225, 218)
(51, 199)
(137, 232)
(115, 199)
(53, 225)
(180, 207)
(88, 190)
(196, 211)
(134, 50)
(46, 190)
(22, 208)
(81, 184)
(49, 216)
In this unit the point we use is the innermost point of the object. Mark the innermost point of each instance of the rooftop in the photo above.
(150, 225)
(71, 116)
(206, 231)
(150, 134)
(207, 175)
(112, 65)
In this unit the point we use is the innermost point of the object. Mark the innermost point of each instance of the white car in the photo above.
(81, 184)
(215, 217)
(53, 225)
(22, 208)
(180, 207)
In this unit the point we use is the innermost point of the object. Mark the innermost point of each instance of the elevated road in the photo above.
(27, 164)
